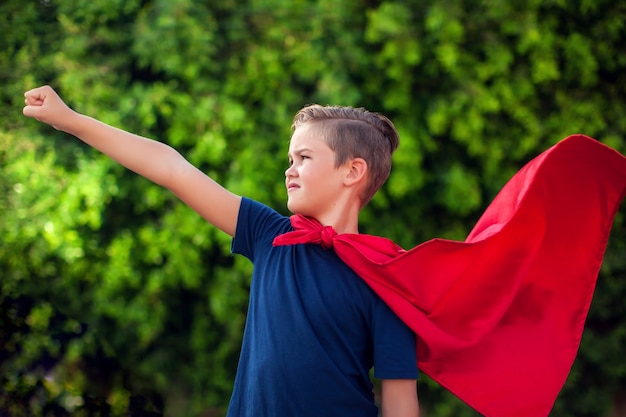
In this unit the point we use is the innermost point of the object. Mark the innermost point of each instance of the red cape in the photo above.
(499, 317)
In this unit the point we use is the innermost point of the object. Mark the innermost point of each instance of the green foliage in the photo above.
(115, 299)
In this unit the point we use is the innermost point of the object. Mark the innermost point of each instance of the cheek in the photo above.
(315, 184)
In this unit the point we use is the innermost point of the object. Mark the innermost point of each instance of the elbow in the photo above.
(171, 168)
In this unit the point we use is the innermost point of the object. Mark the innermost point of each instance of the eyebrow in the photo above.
(299, 151)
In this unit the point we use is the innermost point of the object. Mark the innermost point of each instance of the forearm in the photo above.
(151, 159)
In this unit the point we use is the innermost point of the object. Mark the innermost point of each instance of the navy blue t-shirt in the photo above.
(314, 329)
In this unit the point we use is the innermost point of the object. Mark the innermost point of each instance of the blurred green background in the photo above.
(117, 300)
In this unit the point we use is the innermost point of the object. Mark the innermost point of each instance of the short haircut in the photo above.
(355, 133)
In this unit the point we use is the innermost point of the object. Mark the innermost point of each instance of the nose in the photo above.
(290, 171)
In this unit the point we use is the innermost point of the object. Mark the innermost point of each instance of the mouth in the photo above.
(292, 186)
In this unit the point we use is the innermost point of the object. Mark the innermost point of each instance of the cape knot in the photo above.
(307, 230)
(326, 237)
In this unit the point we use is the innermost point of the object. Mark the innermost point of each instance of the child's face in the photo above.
(312, 179)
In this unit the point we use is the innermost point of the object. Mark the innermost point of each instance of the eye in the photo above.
(298, 157)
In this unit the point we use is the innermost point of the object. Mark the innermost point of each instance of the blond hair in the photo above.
(355, 133)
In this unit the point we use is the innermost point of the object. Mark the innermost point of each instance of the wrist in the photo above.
(73, 123)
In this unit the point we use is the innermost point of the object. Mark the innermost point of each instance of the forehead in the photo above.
(307, 136)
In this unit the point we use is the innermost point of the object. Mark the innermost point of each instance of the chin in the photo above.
(295, 208)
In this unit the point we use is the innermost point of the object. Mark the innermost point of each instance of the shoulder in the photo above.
(257, 224)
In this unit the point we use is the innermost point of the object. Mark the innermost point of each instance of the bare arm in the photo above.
(153, 160)
(399, 398)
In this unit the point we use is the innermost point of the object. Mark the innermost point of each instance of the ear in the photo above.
(356, 171)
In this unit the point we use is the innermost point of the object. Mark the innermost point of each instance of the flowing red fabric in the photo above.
(499, 317)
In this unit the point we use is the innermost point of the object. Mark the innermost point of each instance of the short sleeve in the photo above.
(395, 347)
(257, 225)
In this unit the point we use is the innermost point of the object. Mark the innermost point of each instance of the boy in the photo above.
(314, 328)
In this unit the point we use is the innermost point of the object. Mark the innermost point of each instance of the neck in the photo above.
(343, 221)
